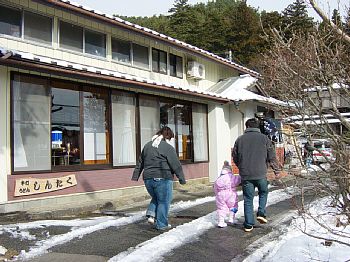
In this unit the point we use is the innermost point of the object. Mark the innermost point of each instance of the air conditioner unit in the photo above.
(195, 70)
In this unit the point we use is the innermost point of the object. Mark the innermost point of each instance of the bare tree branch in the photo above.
(325, 18)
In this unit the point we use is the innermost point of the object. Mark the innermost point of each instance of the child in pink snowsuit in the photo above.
(226, 195)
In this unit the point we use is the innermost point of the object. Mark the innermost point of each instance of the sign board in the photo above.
(31, 186)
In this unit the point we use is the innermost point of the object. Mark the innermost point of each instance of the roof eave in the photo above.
(62, 71)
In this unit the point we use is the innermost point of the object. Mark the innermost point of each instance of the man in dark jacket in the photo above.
(159, 162)
(252, 153)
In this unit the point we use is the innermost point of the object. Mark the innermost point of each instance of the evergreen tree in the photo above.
(244, 35)
(158, 23)
(296, 19)
(347, 23)
(270, 21)
(179, 5)
(336, 19)
(180, 20)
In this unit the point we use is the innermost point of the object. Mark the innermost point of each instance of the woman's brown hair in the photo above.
(166, 132)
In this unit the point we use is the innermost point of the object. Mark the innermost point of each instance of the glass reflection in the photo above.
(65, 127)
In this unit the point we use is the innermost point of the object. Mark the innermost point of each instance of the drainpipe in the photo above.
(237, 103)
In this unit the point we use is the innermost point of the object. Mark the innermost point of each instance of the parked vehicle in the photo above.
(323, 152)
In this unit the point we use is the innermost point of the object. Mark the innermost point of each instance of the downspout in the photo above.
(237, 103)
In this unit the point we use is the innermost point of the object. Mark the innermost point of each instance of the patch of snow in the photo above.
(23, 235)
(294, 245)
(2, 250)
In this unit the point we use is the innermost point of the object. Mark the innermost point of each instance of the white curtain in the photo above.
(149, 118)
(124, 129)
(200, 132)
(95, 143)
(31, 124)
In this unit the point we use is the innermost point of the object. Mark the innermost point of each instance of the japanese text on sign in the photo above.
(31, 186)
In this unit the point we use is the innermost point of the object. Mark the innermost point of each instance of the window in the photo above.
(183, 131)
(96, 128)
(71, 37)
(177, 116)
(149, 117)
(56, 125)
(127, 52)
(121, 50)
(159, 61)
(124, 128)
(95, 43)
(200, 132)
(181, 117)
(10, 21)
(176, 66)
(65, 126)
(61, 125)
(31, 124)
(140, 56)
(37, 28)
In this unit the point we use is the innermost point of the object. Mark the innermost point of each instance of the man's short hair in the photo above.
(252, 123)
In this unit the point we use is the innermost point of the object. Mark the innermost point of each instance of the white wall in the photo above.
(236, 123)
(226, 123)
(249, 109)
(219, 138)
(238, 116)
(4, 131)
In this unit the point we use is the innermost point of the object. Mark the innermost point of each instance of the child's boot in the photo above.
(232, 218)
(221, 222)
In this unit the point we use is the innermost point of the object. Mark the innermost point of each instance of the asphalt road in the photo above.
(216, 244)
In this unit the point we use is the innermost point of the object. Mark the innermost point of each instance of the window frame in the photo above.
(188, 103)
(175, 66)
(59, 37)
(130, 50)
(137, 127)
(22, 10)
(97, 33)
(158, 61)
(84, 29)
(133, 54)
(80, 88)
(207, 128)
(12, 122)
(39, 14)
(162, 99)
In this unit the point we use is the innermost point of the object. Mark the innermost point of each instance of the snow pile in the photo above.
(294, 245)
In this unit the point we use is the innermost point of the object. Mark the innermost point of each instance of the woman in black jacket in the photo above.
(159, 162)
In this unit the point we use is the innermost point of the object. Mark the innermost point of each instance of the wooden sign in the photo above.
(31, 186)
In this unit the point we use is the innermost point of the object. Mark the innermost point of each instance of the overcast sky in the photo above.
(156, 7)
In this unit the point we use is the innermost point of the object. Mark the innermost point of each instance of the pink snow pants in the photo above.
(225, 200)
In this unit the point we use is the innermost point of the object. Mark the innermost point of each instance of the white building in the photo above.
(81, 92)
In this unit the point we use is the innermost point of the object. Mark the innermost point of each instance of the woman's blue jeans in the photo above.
(248, 187)
(161, 191)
